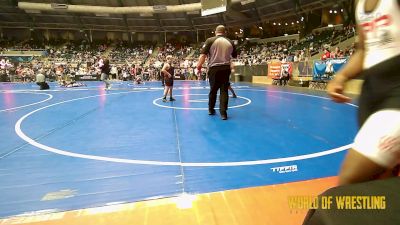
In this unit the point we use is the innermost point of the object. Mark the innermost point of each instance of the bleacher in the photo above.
(77, 54)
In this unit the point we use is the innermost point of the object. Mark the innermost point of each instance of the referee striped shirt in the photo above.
(220, 51)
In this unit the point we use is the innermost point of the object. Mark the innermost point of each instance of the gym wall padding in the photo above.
(247, 72)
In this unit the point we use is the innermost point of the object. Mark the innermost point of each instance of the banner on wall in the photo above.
(287, 67)
(328, 66)
(275, 69)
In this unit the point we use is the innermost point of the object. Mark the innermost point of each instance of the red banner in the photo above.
(274, 70)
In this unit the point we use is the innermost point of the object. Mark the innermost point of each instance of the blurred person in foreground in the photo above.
(376, 150)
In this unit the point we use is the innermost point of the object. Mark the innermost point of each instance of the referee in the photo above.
(219, 50)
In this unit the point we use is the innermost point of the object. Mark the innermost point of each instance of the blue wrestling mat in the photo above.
(74, 148)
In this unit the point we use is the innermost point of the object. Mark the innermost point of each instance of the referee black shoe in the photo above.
(224, 116)
(211, 112)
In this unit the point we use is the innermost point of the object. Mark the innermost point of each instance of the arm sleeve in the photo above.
(205, 49)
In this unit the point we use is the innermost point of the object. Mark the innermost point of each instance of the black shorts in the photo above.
(381, 89)
(169, 81)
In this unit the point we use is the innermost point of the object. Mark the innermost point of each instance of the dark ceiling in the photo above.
(238, 15)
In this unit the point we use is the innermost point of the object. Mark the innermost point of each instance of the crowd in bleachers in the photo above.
(66, 60)
(259, 54)
(184, 59)
(293, 51)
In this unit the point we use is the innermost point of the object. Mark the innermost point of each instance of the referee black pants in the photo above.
(219, 80)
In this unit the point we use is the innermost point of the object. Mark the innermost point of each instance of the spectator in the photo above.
(326, 55)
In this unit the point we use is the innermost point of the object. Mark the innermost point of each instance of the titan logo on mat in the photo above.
(285, 169)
